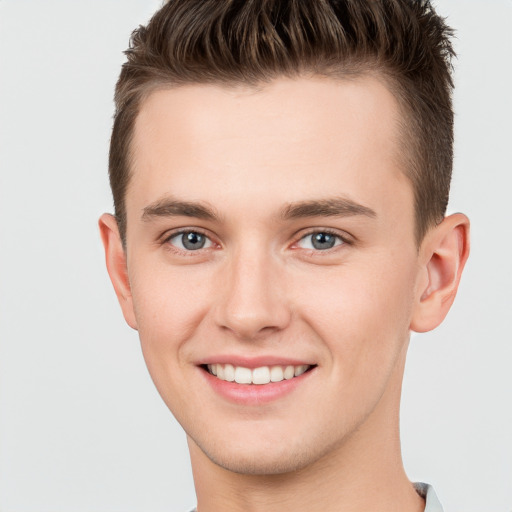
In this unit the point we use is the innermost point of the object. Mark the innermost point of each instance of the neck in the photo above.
(365, 472)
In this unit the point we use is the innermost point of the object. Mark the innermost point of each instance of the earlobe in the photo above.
(115, 258)
(443, 252)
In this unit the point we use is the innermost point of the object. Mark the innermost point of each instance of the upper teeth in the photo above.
(261, 375)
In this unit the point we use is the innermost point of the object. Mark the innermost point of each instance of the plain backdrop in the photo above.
(81, 426)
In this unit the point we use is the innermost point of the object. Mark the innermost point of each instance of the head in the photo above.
(280, 172)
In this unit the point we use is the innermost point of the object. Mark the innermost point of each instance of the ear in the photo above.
(443, 254)
(115, 257)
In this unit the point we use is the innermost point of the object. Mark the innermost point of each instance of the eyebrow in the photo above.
(334, 207)
(173, 208)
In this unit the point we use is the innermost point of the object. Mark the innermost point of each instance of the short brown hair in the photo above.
(253, 41)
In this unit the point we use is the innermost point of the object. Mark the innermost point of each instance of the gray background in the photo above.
(81, 426)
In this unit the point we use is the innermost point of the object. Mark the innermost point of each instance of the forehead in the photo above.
(284, 141)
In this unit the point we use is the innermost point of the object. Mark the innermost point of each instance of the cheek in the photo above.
(169, 304)
(361, 310)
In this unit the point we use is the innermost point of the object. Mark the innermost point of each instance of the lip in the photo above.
(255, 394)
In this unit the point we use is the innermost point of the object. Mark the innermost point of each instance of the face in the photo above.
(270, 240)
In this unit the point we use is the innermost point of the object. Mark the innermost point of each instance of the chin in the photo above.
(258, 464)
(265, 459)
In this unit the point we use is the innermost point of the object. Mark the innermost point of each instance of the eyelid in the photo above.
(168, 235)
(343, 236)
(300, 235)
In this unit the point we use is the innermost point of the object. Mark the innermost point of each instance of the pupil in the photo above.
(193, 241)
(323, 241)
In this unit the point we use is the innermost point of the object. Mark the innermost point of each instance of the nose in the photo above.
(252, 300)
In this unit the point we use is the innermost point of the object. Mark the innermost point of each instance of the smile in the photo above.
(260, 376)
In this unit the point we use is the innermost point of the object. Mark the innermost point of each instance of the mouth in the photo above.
(256, 376)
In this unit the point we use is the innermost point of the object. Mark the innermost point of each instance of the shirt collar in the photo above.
(427, 492)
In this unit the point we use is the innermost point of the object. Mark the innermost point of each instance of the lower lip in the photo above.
(255, 394)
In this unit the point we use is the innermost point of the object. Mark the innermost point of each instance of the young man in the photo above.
(280, 172)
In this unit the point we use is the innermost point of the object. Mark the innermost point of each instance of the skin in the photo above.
(259, 287)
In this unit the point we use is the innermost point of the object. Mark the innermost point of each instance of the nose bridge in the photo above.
(253, 299)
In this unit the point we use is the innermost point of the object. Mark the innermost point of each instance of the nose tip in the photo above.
(248, 328)
(253, 303)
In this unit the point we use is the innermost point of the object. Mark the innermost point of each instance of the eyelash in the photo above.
(343, 239)
(181, 232)
(325, 231)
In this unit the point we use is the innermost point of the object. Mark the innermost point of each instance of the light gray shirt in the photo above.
(425, 491)
(431, 502)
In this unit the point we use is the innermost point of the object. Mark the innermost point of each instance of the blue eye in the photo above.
(190, 241)
(320, 241)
